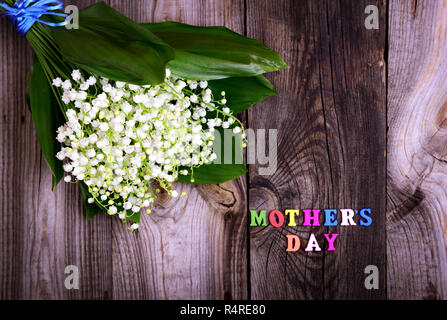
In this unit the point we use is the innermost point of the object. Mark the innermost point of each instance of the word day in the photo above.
(311, 217)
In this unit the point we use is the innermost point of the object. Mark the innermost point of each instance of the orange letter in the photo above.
(293, 243)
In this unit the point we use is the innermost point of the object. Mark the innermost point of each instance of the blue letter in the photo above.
(364, 215)
(330, 219)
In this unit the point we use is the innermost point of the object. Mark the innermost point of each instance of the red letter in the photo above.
(273, 220)
(291, 240)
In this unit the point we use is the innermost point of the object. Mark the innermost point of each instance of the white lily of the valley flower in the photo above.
(120, 138)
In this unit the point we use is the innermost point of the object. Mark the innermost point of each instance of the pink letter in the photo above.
(314, 217)
(330, 240)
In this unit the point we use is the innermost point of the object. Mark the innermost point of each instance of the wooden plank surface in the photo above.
(42, 232)
(331, 146)
(335, 106)
(195, 248)
(190, 249)
(417, 140)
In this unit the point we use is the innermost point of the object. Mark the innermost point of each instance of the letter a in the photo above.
(72, 281)
(312, 245)
(372, 280)
(372, 20)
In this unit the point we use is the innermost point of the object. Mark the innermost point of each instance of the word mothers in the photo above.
(311, 218)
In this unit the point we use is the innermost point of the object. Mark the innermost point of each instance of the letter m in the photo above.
(257, 219)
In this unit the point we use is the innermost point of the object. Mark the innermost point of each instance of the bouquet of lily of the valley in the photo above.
(126, 109)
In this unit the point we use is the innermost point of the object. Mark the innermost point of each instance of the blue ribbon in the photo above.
(26, 12)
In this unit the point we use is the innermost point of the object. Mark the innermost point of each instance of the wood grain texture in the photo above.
(331, 121)
(190, 249)
(331, 147)
(42, 232)
(195, 248)
(16, 126)
(417, 140)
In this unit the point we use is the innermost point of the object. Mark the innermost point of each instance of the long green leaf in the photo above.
(113, 46)
(206, 53)
(135, 217)
(215, 173)
(91, 209)
(46, 117)
(242, 92)
(227, 166)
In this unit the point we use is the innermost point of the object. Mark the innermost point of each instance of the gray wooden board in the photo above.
(331, 147)
(417, 201)
(337, 101)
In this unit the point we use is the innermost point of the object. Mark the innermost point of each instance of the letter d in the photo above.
(293, 243)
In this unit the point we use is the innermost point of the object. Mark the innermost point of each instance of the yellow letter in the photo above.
(292, 212)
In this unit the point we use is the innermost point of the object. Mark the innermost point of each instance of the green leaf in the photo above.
(242, 92)
(91, 209)
(206, 53)
(110, 45)
(215, 173)
(46, 116)
(228, 165)
(135, 217)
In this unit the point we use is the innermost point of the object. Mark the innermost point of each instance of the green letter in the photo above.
(258, 219)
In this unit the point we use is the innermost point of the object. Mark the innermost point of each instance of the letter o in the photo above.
(279, 215)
